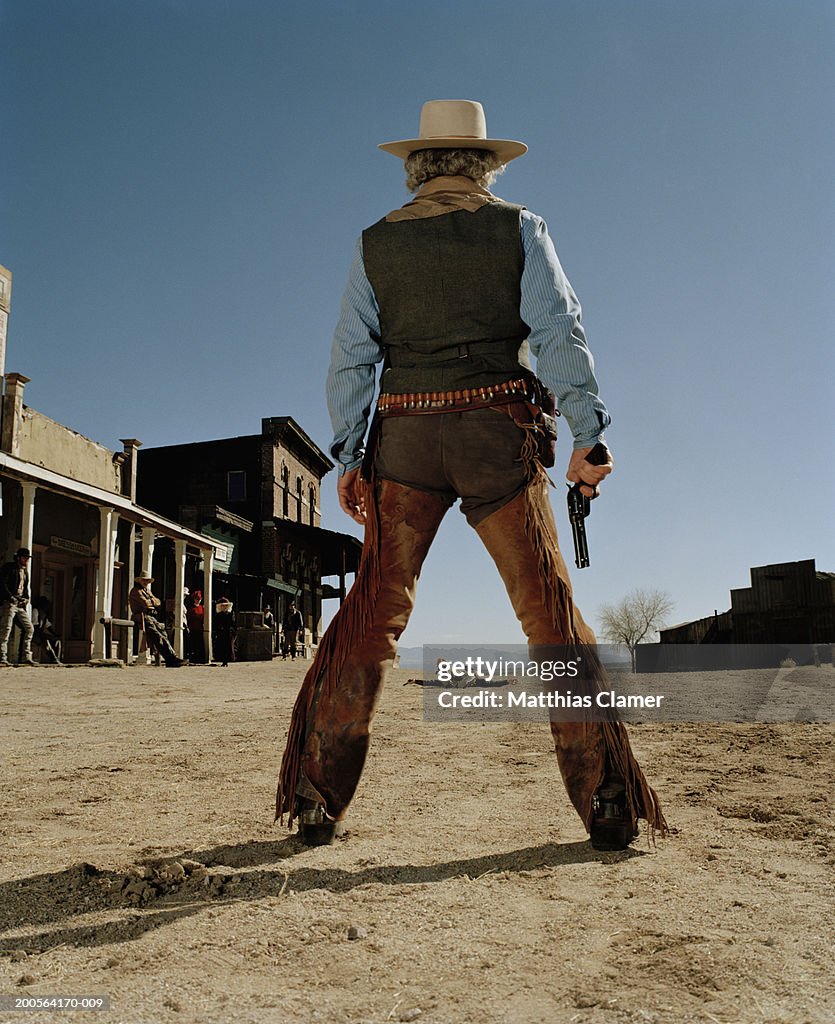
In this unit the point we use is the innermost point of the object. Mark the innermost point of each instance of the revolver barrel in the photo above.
(579, 507)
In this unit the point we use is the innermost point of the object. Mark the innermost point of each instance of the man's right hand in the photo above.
(350, 490)
(588, 475)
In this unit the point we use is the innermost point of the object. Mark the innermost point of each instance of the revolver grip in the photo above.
(599, 455)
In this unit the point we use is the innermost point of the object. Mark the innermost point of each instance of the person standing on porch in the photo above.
(14, 601)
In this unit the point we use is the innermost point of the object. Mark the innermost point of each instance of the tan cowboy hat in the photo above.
(143, 579)
(455, 124)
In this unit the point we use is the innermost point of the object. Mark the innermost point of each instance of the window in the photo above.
(236, 485)
(285, 497)
(311, 495)
(298, 499)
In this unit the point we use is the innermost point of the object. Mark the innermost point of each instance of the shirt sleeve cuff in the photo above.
(348, 467)
(589, 442)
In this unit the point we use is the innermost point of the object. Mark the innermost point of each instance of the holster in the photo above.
(544, 411)
(538, 414)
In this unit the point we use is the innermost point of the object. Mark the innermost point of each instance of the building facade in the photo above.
(257, 498)
(787, 611)
(787, 603)
(72, 502)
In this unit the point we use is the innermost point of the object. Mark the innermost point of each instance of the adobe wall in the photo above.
(49, 444)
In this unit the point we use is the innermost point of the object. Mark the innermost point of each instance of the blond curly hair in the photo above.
(482, 165)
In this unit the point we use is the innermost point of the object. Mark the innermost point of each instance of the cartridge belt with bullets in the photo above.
(526, 401)
(456, 401)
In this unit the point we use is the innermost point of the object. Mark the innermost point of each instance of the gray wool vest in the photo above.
(448, 289)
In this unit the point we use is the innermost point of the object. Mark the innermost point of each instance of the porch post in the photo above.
(208, 565)
(147, 559)
(104, 578)
(111, 563)
(131, 563)
(27, 526)
(179, 585)
(27, 521)
(148, 537)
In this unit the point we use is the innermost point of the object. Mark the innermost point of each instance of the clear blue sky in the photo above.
(182, 182)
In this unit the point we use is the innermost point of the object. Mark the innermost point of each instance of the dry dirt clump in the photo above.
(140, 862)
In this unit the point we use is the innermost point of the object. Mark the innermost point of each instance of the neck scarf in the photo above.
(445, 194)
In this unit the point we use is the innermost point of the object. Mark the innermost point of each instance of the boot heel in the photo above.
(612, 827)
(316, 828)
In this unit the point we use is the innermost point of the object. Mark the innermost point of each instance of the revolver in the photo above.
(579, 507)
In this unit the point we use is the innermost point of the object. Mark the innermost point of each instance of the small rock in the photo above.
(711, 856)
(18, 955)
(215, 883)
(174, 872)
(27, 979)
(412, 1014)
(586, 1002)
(356, 932)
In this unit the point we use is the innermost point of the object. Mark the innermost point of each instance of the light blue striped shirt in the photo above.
(548, 306)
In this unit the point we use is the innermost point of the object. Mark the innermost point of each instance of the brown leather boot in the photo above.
(359, 647)
(522, 540)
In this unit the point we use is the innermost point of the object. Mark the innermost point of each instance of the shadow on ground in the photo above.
(56, 897)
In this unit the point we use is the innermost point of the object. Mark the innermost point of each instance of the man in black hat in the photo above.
(293, 627)
(14, 601)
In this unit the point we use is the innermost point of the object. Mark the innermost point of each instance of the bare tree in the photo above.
(638, 616)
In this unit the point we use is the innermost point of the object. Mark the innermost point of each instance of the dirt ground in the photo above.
(139, 861)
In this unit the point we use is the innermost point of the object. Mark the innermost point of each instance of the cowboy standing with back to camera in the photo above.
(452, 293)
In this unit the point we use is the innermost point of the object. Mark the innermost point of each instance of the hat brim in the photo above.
(505, 149)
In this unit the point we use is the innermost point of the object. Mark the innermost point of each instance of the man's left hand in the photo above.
(580, 471)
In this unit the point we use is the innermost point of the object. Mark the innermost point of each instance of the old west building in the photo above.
(787, 603)
(257, 498)
(788, 610)
(72, 502)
